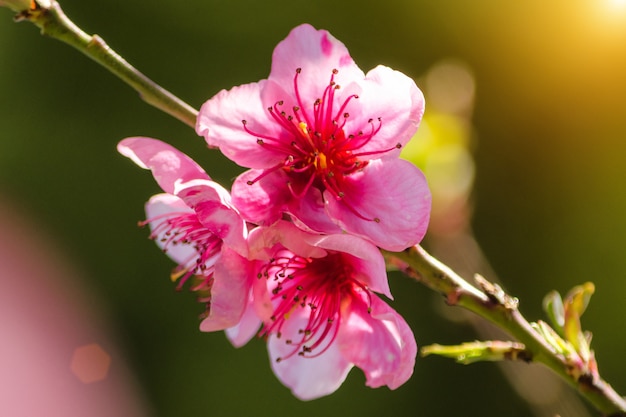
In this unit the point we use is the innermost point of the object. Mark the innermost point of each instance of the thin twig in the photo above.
(55, 24)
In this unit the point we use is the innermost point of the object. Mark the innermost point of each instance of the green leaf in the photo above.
(553, 306)
(478, 351)
(575, 304)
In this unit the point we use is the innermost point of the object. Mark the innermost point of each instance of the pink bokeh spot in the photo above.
(48, 316)
(90, 363)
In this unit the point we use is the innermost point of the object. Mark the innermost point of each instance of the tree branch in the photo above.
(49, 17)
(492, 303)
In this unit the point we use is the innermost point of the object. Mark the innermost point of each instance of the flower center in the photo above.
(321, 287)
(319, 152)
(184, 228)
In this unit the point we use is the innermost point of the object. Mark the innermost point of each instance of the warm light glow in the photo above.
(607, 18)
(615, 8)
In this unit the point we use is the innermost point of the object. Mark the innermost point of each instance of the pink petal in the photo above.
(162, 204)
(380, 343)
(308, 378)
(396, 193)
(261, 298)
(212, 204)
(395, 99)
(220, 122)
(309, 213)
(316, 53)
(262, 241)
(263, 201)
(169, 166)
(246, 329)
(229, 292)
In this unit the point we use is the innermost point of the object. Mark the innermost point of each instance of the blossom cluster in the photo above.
(291, 253)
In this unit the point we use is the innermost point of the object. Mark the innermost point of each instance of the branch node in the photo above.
(496, 293)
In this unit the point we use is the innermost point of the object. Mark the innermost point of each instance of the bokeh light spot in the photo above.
(90, 363)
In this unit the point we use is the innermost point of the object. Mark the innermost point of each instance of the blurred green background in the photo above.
(549, 142)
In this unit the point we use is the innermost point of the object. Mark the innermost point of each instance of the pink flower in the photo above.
(195, 223)
(321, 316)
(322, 140)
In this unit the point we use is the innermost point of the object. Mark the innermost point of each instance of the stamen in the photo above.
(288, 162)
(184, 228)
(318, 150)
(298, 98)
(397, 146)
(319, 286)
(304, 190)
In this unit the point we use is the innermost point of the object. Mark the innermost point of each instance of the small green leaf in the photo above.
(574, 305)
(579, 296)
(553, 306)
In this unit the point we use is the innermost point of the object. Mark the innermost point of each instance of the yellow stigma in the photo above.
(177, 273)
(303, 128)
(320, 161)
